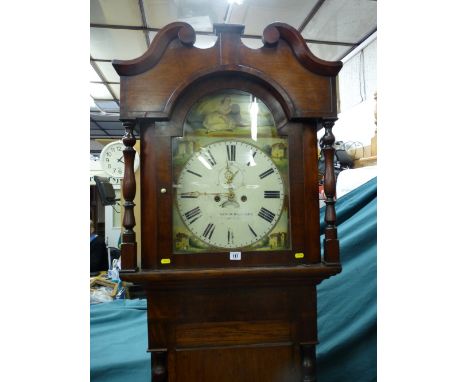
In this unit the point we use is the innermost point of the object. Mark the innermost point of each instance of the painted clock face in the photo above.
(230, 194)
(112, 161)
(230, 178)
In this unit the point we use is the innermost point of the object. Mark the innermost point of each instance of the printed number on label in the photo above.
(234, 255)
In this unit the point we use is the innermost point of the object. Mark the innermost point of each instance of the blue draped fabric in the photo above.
(119, 341)
(347, 302)
(347, 310)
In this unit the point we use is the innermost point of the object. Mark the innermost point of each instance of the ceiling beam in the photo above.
(102, 99)
(128, 27)
(105, 82)
(99, 126)
(142, 28)
(111, 136)
(101, 76)
(118, 134)
(311, 14)
(227, 14)
(143, 20)
(358, 43)
(322, 42)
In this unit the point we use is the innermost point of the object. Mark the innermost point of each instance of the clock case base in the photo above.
(230, 325)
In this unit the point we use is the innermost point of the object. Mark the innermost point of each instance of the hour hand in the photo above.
(196, 194)
(193, 194)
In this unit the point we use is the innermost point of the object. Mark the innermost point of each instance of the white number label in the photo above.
(234, 255)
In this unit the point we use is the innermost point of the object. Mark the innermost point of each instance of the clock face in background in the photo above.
(112, 160)
(230, 194)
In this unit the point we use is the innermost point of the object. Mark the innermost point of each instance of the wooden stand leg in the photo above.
(159, 366)
(308, 363)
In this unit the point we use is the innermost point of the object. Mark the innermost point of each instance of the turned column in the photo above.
(331, 248)
(129, 245)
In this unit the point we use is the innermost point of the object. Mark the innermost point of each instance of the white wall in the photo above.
(357, 85)
(358, 77)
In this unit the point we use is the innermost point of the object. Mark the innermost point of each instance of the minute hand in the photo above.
(196, 194)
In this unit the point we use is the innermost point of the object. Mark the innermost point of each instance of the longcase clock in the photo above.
(230, 241)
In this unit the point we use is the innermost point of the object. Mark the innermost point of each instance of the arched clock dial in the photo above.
(230, 194)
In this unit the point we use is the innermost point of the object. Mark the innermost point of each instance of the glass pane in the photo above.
(92, 104)
(252, 43)
(152, 35)
(97, 133)
(106, 118)
(108, 71)
(230, 177)
(115, 12)
(109, 106)
(204, 42)
(159, 12)
(201, 41)
(93, 76)
(112, 126)
(99, 91)
(109, 44)
(199, 23)
(342, 21)
(257, 14)
(116, 89)
(201, 14)
(329, 52)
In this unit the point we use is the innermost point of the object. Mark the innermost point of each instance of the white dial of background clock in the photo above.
(112, 160)
(230, 194)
